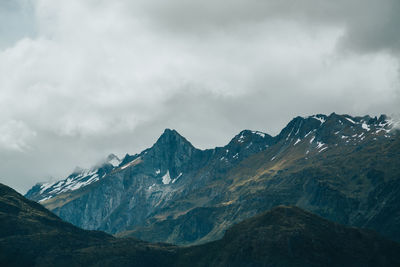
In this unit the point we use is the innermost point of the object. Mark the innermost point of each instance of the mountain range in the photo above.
(339, 167)
(30, 235)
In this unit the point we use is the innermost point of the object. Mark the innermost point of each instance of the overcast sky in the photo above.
(80, 79)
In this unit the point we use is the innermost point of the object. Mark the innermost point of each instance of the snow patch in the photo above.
(307, 134)
(151, 187)
(322, 120)
(166, 179)
(350, 120)
(319, 145)
(298, 140)
(322, 149)
(287, 138)
(259, 133)
(43, 199)
(297, 132)
(365, 126)
(180, 174)
(46, 186)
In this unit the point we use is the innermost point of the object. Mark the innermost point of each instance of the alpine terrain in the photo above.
(342, 168)
(30, 235)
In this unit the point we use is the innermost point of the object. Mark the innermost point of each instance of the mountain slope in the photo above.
(285, 236)
(30, 235)
(147, 182)
(341, 167)
(289, 236)
(78, 179)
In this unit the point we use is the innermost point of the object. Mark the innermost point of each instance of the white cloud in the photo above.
(15, 135)
(101, 76)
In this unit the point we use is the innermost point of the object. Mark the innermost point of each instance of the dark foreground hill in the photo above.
(290, 236)
(30, 235)
(285, 236)
(343, 168)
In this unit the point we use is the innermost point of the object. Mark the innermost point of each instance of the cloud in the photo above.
(370, 25)
(16, 21)
(15, 135)
(373, 28)
(92, 77)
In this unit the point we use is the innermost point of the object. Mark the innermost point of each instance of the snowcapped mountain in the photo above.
(322, 132)
(149, 180)
(78, 179)
(173, 192)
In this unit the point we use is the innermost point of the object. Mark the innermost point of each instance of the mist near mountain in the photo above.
(340, 167)
(82, 79)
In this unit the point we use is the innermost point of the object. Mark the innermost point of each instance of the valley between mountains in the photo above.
(342, 168)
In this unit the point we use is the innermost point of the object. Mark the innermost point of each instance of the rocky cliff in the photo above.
(343, 168)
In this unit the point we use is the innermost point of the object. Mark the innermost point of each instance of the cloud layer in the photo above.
(81, 79)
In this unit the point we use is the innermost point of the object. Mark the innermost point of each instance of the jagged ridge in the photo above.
(176, 193)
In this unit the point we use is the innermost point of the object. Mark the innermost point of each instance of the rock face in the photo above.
(30, 235)
(340, 167)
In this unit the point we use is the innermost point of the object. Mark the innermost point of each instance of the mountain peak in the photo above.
(247, 136)
(170, 132)
(171, 137)
(113, 160)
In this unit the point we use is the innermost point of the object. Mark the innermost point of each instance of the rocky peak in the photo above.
(247, 136)
(170, 154)
(171, 142)
(321, 132)
(171, 137)
(113, 160)
(244, 144)
(301, 127)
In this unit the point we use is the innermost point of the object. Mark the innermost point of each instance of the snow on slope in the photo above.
(78, 179)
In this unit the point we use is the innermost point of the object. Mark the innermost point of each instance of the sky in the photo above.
(81, 79)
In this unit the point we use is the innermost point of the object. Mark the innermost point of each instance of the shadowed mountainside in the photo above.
(340, 167)
(285, 236)
(30, 235)
(290, 236)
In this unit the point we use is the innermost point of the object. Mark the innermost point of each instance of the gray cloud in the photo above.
(370, 25)
(87, 78)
